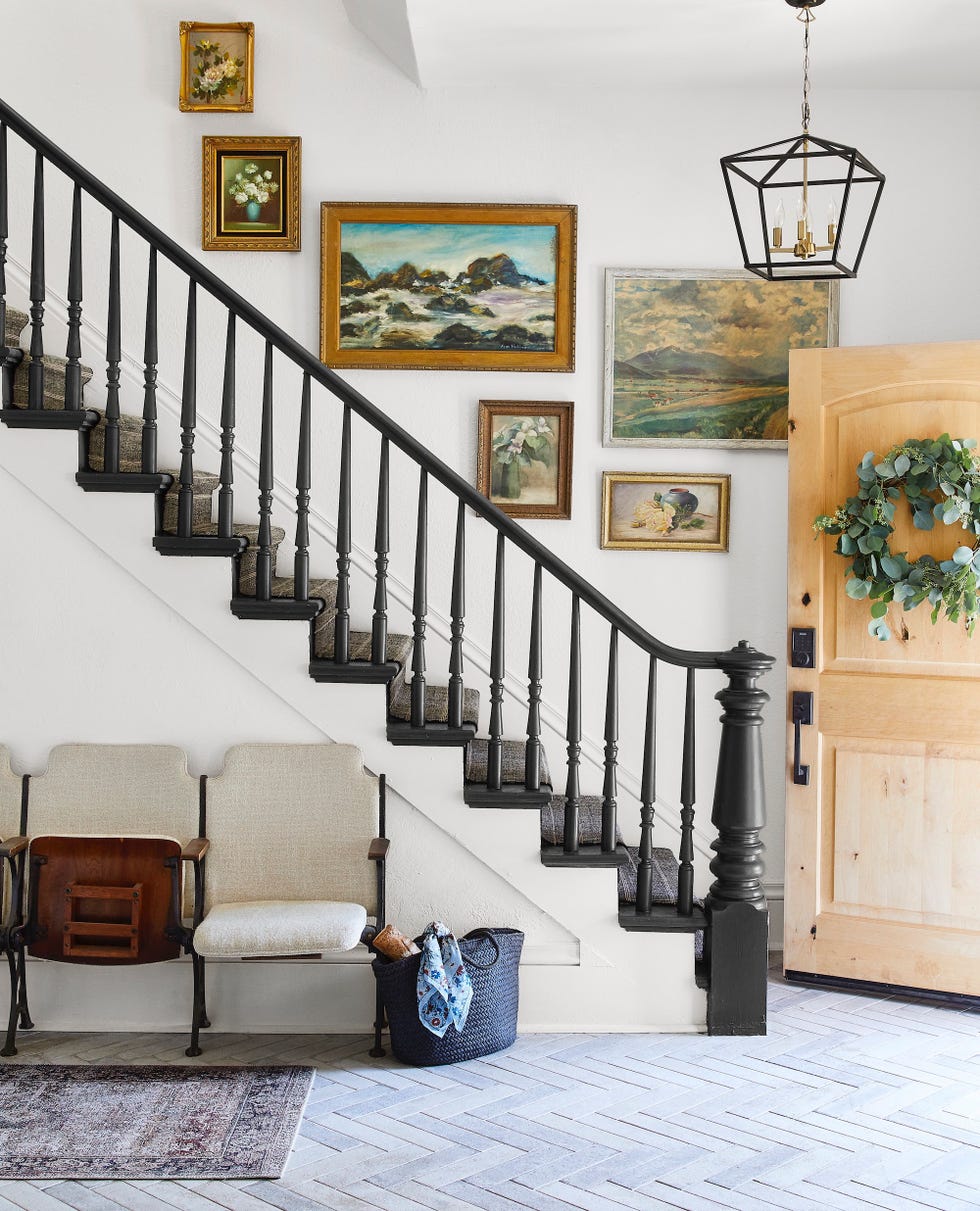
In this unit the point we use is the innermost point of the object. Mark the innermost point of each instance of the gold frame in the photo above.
(665, 479)
(491, 408)
(561, 358)
(247, 104)
(213, 147)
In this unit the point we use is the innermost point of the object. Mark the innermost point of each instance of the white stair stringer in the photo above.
(622, 982)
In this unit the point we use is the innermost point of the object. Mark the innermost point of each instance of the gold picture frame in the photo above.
(450, 286)
(644, 511)
(250, 193)
(534, 480)
(205, 89)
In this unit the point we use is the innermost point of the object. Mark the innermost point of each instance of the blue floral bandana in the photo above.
(444, 988)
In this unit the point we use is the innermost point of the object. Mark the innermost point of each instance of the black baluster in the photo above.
(379, 623)
(573, 733)
(226, 492)
(301, 561)
(73, 349)
(341, 631)
(420, 606)
(188, 419)
(263, 561)
(495, 745)
(4, 349)
(685, 877)
(35, 372)
(648, 797)
(609, 788)
(148, 437)
(532, 747)
(113, 354)
(457, 612)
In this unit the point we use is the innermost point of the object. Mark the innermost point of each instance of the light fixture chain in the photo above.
(806, 16)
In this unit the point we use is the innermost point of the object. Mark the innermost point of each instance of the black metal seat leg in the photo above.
(377, 1051)
(10, 1043)
(198, 1012)
(22, 1007)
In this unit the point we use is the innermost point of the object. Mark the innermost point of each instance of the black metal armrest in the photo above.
(13, 846)
(195, 850)
(378, 850)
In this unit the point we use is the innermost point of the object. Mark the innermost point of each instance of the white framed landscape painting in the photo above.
(700, 357)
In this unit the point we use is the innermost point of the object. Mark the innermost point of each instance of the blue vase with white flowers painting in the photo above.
(685, 504)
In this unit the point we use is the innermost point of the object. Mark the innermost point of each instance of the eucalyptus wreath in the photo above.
(940, 479)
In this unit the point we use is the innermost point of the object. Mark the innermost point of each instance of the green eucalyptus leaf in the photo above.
(963, 555)
(879, 609)
(902, 465)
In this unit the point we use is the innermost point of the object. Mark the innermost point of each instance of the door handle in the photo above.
(802, 717)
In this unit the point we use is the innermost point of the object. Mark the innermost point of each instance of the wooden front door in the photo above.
(883, 845)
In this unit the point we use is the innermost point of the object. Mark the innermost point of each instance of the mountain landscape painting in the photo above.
(412, 287)
(701, 358)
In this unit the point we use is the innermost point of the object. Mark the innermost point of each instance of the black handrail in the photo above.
(282, 341)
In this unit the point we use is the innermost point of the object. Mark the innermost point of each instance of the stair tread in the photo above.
(284, 586)
(589, 822)
(239, 530)
(512, 761)
(399, 646)
(436, 703)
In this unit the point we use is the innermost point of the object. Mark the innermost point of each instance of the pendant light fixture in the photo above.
(830, 190)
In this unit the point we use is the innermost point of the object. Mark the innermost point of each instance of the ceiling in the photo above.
(671, 43)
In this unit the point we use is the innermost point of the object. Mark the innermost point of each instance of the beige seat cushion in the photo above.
(279, 927)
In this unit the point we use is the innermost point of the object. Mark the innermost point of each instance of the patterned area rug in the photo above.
(76, 1121)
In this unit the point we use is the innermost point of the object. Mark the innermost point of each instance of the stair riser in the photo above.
(54, 382)
(130, 445)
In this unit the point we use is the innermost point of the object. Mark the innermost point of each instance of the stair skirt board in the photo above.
(319, 609)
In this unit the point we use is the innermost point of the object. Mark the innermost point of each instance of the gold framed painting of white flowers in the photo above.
(525, 457)
(250, 194)
(670, 512)
(216, 67)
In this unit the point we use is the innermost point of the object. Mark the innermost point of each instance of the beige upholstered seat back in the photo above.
(115, 790)
(10, 792)
(292, 822)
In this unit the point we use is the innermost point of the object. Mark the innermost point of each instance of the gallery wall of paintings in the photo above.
(692, 358)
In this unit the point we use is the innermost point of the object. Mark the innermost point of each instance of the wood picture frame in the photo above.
(449, 286)
(250, 193)
(700, 357)
(524, 454)
(654, 511)
(217, 67)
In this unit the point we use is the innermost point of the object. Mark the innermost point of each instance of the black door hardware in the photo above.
(802, 647)
(802, 717)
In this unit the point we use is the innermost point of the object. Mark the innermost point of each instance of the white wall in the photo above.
(641, 164)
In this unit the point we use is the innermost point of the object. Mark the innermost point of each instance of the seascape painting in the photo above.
(447, 286)
(459, 290)
(701, 358)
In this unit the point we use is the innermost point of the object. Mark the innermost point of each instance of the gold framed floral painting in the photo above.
(669, 512)
(250, 194)
(217, 67)
(525, 457)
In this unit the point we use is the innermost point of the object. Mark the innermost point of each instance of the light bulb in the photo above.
(779, 218)
(802, 210)
(831, 221)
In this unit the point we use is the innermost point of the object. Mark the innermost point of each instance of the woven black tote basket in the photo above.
(492, 957)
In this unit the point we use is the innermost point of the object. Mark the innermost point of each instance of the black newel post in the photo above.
(736, 904)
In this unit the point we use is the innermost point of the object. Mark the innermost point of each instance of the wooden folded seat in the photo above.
(273, 928)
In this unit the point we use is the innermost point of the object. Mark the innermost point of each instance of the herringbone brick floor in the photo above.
(849, 1102)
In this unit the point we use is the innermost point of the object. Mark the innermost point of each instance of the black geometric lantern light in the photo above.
(830, 187)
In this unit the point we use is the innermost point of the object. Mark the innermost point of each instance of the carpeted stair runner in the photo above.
(436, 702)
(512, 762)
(399, 649)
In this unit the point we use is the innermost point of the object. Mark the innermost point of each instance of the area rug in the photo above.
(133, 1122)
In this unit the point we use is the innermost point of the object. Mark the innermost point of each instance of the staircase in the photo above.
(195, 516)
